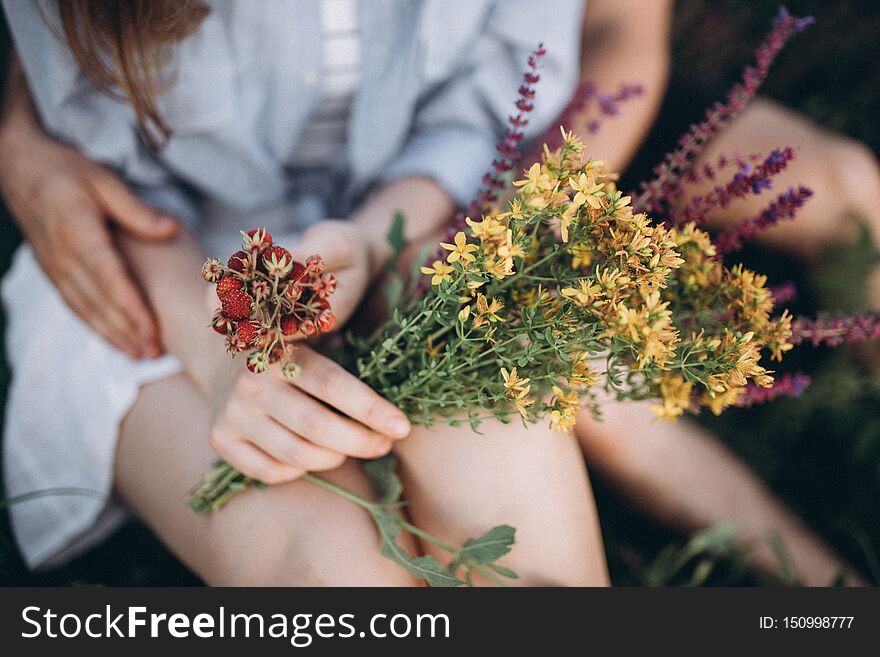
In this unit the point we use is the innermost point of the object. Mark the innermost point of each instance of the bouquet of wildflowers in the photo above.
(533, 304)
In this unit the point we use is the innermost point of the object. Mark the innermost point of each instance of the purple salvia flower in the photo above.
(656, 194)
(784, 207)
(508, 153)
(608, 105)
(788, 385)
(784, 293)
(835, 331)
(751, 179)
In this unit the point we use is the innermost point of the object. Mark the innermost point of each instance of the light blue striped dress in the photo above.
(265, 133)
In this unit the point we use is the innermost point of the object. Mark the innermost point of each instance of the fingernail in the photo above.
(399, 427)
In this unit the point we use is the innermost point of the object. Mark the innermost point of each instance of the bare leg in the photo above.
(843, 174)
(293, 534)
(461, 485)
(684, 477)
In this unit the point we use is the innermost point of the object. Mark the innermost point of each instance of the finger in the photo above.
(131, 213)
(282, 444)
(324, 379)
(105, 311)
(250, 460)
(321, 425)
(117, 283)
(85, 310)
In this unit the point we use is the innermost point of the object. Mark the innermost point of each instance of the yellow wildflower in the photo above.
(565, 407)
(461, 250)
(487, 312)
(676, 397)
(584, 294)
(513, 382)
(440, 270)
(581, 256)
(433, 350)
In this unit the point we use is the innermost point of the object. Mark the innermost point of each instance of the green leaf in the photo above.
(489, 547)
(382, 473)
(393, 290)
(396, 239)
(501, 570)
(426, 567)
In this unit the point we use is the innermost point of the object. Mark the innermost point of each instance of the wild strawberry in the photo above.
(236, 304)
(325, 321)
(289, 325)
(324, 286)
(247, 331)
(256, 239)
(315, 264)
(228, 284)
(277, 261)
(234, 344)
(297, 271)
(260, 290)
(239, 261)
(278, 352)
(257, 362)
(212, 270)
(221, 323)
(290, 371)
(294, 291)
(308, 327)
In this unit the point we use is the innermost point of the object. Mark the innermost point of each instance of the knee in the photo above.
(301, 554)
(857, 174)
(295, 569)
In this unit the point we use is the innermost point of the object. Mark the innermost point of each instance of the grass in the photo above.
(820, 453)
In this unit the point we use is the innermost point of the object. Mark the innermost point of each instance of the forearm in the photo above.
(17, 114)
(426, 207)
(618, 49)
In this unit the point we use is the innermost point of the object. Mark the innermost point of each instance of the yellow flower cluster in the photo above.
(569, 272)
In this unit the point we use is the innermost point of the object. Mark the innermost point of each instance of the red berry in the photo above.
(248, 331)
(228, 284)
(326, 321)
(256, 239)
(324, 286)
(236, 304)
(277, 261)
(315, 264)
(221, 323)
(212, 270)
(238, 261)
(289, 325)
(298, 271)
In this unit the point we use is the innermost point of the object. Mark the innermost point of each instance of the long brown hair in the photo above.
(122, 47)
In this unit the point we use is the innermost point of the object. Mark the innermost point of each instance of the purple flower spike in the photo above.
(656, 194)
(786, 206)
(788, 385)
(835, 331)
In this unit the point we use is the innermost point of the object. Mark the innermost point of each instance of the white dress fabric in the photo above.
(281, 115)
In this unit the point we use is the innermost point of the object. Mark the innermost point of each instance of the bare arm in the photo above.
(65, 204)
(625, 41)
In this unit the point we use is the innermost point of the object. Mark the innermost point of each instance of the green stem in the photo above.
(333, 488)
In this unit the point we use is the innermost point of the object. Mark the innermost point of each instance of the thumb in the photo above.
(132, 214)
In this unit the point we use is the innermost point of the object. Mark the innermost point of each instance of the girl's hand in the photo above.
(348, 254)
(275, 431)
(64, 204)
